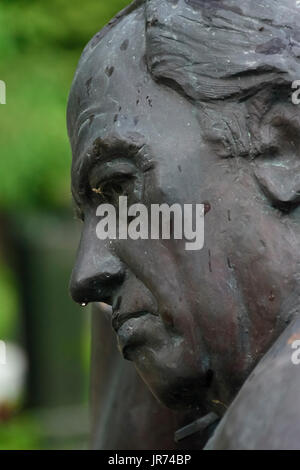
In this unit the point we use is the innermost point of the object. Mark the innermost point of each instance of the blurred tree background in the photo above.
(40, 44)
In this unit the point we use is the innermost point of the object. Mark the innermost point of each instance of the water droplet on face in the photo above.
(83, 304)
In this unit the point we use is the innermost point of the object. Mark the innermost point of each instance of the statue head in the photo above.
(189, 101)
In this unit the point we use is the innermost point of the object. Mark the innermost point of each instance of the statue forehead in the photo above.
(113, 68)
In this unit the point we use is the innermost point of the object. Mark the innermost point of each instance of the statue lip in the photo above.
(120, 318)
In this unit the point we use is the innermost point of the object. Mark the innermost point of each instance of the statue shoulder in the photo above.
(266, 412)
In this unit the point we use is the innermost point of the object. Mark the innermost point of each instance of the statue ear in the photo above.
(280, 181)
(278, 169)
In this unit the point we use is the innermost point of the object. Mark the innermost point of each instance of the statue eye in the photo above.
(286, 207)
(109, 191)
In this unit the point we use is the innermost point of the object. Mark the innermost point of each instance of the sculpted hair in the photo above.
(231, 60)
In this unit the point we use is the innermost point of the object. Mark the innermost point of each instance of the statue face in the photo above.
(193, 322)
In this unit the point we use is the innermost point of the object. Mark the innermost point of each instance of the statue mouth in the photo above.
(119, 319)
(134, 330)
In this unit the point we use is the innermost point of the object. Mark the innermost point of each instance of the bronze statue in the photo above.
(189, 101)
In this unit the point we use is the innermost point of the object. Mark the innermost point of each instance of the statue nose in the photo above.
(99, 287)
(96, 276)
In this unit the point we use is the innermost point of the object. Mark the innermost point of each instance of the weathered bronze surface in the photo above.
(191, 101)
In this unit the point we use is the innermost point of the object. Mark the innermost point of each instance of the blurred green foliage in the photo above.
(40, 44)
(23, 433)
